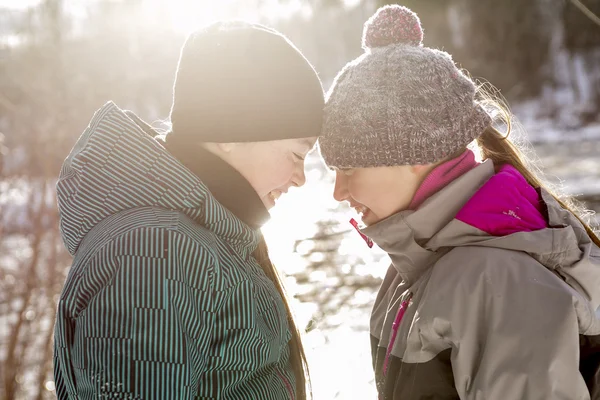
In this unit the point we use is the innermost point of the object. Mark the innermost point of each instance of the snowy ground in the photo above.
(576, 166)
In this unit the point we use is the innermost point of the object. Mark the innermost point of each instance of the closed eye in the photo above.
(299, 156)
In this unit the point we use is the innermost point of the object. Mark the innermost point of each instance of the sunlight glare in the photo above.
(19, 4)
(318, 276)
(351, 3)
(50, 386)
(188, 15)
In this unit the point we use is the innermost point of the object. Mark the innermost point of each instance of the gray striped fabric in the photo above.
(163, 300)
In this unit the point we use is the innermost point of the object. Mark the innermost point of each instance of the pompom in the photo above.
(392, 24)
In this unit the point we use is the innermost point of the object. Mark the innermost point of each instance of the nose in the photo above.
(299, 178)
(340, 190)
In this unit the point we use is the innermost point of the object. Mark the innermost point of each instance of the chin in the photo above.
(268, 202)
(370, 219)
(369, 223)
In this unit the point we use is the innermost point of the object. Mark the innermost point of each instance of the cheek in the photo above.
(282, 172)
(363, 190)
(370, 191)
(272, 173)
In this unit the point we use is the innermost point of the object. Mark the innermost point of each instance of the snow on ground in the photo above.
(563, 127)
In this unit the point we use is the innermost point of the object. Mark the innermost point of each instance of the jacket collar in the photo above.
(224, 182)
(116, 166)
(404, 236)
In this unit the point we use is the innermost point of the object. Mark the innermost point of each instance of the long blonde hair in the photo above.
(501, 149)
(297, 354)
(261, 255)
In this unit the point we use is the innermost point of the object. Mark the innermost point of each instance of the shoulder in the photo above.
(483, 281)
(149, 227)
(148, 235)
(475, 292)
(196, 252)
(472, 265)
(160, 250)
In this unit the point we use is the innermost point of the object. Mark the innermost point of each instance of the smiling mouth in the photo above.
(275, 195)
(362, 211)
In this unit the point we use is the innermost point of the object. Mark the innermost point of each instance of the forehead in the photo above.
(303, 144)
(340, 169)
(308, 142)
(300, 145)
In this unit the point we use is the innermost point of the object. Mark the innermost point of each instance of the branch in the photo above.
(10, 362)
(589, 13)
(323, 236)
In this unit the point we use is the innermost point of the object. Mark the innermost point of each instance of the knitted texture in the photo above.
(399, 103)
(392, 25)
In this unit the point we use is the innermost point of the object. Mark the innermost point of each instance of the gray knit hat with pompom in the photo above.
(399, 103)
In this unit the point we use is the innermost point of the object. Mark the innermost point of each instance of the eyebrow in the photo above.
(335, 169)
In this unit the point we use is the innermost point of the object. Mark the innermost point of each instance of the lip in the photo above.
(273, 196)
(358, 207)
(270, 203)
(362, 210)
(366, 214)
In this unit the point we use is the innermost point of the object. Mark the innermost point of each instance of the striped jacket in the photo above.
(163, 299)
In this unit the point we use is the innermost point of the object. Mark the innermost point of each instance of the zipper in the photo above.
(395, 326)
(287, 384)
(362, 235)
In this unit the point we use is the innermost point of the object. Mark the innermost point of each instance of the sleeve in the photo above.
(147, 329)
(514, 331)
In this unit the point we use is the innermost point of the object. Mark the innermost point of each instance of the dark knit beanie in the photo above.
(399, 103)
(242, 82)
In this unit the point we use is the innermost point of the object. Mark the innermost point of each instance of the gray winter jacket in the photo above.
(484, 316)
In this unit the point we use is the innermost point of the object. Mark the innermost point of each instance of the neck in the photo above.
(225, 183)
(406, 236)
(441, 175)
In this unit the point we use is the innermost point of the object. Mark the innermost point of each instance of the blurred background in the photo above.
(62, 59)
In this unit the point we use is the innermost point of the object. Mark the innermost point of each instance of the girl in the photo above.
(494, 284)
(171, 294)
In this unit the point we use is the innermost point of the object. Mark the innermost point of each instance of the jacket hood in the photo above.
(415, 240)
(116, 166)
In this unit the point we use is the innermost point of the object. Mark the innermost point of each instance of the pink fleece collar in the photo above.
(505, 204)
(442, 175)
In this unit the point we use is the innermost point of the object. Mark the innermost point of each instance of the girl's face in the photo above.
(379, 192)
(270, 167)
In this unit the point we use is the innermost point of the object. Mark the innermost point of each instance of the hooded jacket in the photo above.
(163, 299)
(483, 303)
